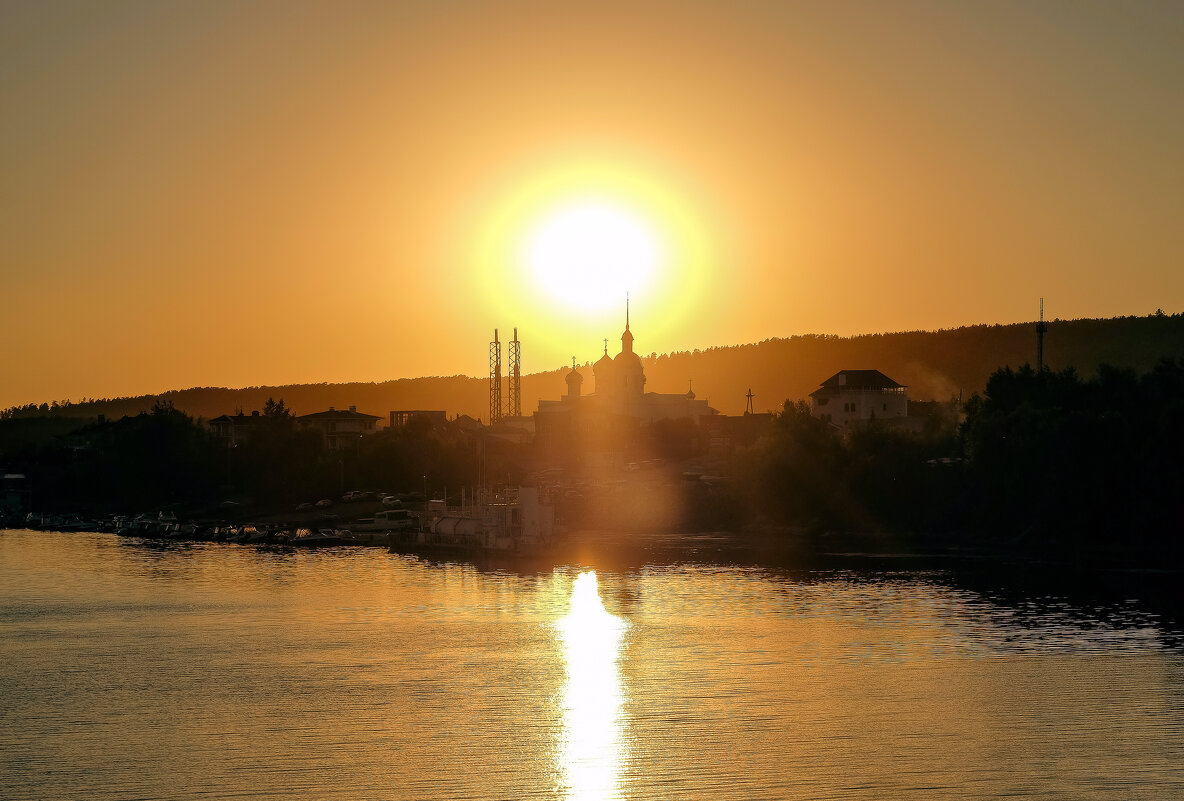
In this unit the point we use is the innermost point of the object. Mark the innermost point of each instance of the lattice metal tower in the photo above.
(495, 379)
(514, 401)
(1040, 329)
(750, 396)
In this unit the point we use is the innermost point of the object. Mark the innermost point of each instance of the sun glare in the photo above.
(555, 248)
(589, 254)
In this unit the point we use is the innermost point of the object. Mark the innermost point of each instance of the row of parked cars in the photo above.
(389, 500)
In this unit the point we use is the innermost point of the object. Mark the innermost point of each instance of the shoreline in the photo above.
(761, 545)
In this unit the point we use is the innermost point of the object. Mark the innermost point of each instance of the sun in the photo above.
(589, 253)
(557, 243)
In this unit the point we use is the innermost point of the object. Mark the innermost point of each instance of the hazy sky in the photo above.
(208, 193)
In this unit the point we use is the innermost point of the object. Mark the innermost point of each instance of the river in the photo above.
(135, 670)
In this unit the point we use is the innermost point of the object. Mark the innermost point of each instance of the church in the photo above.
(606, 419)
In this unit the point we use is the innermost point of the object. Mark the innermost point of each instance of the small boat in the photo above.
(258, 536)
(307, 538)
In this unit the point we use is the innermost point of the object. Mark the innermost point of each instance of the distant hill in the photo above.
(935, 365)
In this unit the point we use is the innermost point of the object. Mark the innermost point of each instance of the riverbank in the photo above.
(756, 544)
(1017, 570)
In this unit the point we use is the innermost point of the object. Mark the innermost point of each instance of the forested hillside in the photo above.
(935, 365)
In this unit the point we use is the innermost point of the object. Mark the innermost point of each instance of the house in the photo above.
(401, 417)
(467, 423)
(235, 428)
(339, 428)
(517, 429)
(851, 396)
(725, 432)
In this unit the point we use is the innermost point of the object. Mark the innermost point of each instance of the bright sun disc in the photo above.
(589, 254)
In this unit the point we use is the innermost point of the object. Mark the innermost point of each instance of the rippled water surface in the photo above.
(130, 670)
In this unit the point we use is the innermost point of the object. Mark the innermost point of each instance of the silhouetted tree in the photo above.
(1079, 461)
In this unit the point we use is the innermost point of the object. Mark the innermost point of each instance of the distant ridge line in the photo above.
(934, 364)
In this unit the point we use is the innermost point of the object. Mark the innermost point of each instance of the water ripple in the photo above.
(213, 671)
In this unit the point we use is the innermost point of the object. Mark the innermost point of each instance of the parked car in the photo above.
(324, 503)
(304, 507)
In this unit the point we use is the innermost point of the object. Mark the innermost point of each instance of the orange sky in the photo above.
(230, 194)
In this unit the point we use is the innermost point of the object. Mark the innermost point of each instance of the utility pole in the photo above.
(495, 379)
(514, 401)
(1040, 329)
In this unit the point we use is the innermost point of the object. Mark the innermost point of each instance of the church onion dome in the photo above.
(690, 394)
(574, 376)
(603, 360)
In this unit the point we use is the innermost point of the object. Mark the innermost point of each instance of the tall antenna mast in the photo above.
(495, 379)
(750, 396)
(514, 402)
(1040, 329)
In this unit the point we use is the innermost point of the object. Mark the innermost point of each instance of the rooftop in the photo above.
(338, 414)
(858, 379)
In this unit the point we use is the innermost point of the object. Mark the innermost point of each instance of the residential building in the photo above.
(852, 396)
(234, 428)
(340, 428)
(400, 418)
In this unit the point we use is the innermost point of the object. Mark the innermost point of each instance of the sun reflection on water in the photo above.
(592, 698)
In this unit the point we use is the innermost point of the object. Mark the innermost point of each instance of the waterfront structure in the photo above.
(510, 519)
(340, 427)
(852, 396)
(14, 491)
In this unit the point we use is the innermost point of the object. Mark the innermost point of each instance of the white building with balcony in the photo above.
(852, 396)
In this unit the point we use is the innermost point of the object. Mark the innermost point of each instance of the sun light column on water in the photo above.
(592, 698)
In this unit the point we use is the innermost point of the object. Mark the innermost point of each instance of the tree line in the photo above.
(1038, 459)
(934, 365)
(165, 458)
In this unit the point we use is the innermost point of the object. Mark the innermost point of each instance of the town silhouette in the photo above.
(1072, 461)
(773, 401)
